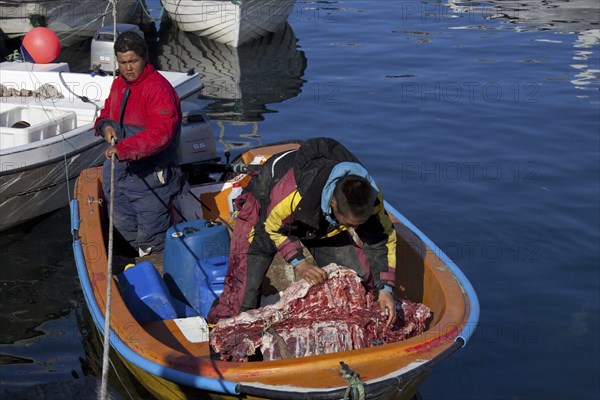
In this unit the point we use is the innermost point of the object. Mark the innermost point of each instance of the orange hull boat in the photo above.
(170, 366)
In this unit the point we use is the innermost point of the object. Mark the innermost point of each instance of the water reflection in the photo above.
(239, 83)
(39, 291)
(560, 15)
(563, 16)
(120, 378)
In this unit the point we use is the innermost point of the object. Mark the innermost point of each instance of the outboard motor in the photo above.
(102, 54)
(196, 147)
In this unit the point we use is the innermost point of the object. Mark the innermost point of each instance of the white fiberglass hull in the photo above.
(229, 22)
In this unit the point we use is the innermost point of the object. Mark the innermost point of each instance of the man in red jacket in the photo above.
(140, 120)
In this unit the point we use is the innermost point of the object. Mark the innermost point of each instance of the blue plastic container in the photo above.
(214, 270)
(145, 293)
(195, 262)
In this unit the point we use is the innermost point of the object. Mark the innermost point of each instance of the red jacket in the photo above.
(152, 104)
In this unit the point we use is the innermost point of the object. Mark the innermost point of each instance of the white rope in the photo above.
(109, 279)
(119, 377)
(106, 348)
(106, 12)
(146, 11)
(66, 162)
(75, 32)
(114, 13)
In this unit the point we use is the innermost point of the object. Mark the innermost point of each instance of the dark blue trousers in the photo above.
(142, 204)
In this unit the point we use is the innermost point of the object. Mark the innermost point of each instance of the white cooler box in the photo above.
(44, 123)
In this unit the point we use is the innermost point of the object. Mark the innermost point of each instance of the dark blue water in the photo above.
(479, 121)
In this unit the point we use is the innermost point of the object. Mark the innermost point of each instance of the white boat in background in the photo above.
(41, 158)
(232, 22)
(71, 20)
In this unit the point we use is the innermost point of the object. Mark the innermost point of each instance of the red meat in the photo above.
(334, 316)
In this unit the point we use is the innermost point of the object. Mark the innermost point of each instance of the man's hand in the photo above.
(386, 302)
(109, 152)
(109, 134)
(311, 273)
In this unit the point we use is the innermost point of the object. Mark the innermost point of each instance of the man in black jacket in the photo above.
(318, 198)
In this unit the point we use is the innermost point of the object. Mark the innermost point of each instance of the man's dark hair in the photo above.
(131, 41)
(354, 196)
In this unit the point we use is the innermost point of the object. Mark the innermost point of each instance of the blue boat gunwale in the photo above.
(474, 309)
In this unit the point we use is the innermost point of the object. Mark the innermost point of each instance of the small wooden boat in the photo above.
(230, 22)
(162, 353)
(46, 132)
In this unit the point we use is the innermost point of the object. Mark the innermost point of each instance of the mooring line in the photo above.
(106, 344)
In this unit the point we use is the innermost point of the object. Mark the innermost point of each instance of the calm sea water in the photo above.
(480, 122)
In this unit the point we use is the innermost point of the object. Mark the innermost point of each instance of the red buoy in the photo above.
(40, 45)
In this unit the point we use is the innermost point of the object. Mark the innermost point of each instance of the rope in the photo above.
(66, 167)
(355, 389)
(145, 10)
(80, 28)
(121, 380)
(119, 377)
(106, 348)
(15, 56)
(106, 12)
(114, 13)
(215, 214)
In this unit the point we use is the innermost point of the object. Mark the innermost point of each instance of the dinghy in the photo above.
(157, 309)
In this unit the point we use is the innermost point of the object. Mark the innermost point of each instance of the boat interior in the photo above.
(422, 276)
(30, 121)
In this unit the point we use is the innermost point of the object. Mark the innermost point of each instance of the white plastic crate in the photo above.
(44, 123)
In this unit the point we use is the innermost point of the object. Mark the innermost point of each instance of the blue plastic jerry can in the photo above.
(145, 293)
(195, 262)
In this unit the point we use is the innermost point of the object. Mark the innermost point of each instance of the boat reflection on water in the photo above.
(239, 83)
